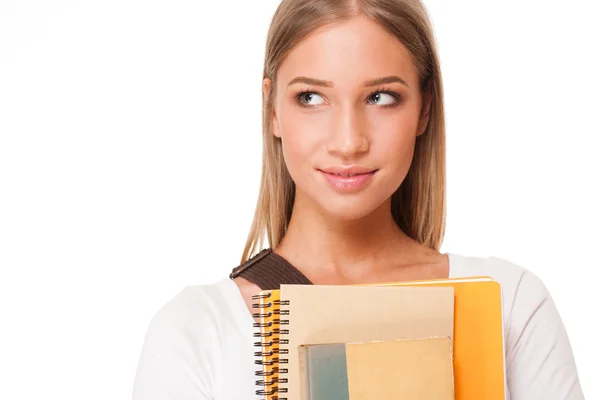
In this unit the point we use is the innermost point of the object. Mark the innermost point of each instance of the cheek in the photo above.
(302, 139)
(395, 147)
(393, 137)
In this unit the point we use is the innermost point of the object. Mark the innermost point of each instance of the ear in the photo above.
(267, 82)
(425, 109)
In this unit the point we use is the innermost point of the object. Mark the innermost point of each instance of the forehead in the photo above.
(349, 53)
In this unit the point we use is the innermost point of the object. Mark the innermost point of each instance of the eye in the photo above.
(305, 98)
(384, 99)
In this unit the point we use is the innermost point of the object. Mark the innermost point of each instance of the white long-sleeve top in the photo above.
(199, 345)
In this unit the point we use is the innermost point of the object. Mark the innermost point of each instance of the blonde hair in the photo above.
(418, 205)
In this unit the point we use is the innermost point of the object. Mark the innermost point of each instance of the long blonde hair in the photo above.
(419, 204)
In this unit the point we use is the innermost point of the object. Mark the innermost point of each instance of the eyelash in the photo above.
(396, 96)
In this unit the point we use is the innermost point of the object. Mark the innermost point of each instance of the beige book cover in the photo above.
(321, 314)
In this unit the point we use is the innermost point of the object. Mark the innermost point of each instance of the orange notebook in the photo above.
(478, 344)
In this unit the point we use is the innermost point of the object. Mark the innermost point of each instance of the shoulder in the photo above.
(198, 311)
(523, 292)
(191, 304)
(516, 280)
(184, 342)
(539, 359)
(190, 319)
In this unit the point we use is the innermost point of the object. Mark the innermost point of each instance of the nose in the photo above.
(348, 138)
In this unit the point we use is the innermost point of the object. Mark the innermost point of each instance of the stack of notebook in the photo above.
(438, 339)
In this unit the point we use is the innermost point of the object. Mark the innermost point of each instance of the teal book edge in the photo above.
(324, 372)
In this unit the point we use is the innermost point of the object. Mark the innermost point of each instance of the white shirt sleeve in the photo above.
(175, 361)
(539, 360)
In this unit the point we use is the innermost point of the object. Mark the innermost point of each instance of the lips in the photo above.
(348, 170)
(348, 179)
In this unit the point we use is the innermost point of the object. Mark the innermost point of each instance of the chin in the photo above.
(348, 209)
(342, 206)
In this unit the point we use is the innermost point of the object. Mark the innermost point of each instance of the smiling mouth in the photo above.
(349, 182)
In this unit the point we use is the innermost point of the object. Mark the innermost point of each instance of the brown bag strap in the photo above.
(269, 270)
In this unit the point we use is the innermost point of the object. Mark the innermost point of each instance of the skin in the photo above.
(346, 238)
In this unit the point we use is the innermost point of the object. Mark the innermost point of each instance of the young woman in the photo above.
(352, 191)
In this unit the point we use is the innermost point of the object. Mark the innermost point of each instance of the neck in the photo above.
(316, 242)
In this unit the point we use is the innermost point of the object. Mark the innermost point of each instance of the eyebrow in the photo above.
(329, 84)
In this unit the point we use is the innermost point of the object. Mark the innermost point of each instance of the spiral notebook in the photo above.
(476, 332)
(310, 314)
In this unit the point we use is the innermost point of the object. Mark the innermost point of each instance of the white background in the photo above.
(130, 147)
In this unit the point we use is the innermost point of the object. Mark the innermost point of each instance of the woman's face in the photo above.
(348, 102)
